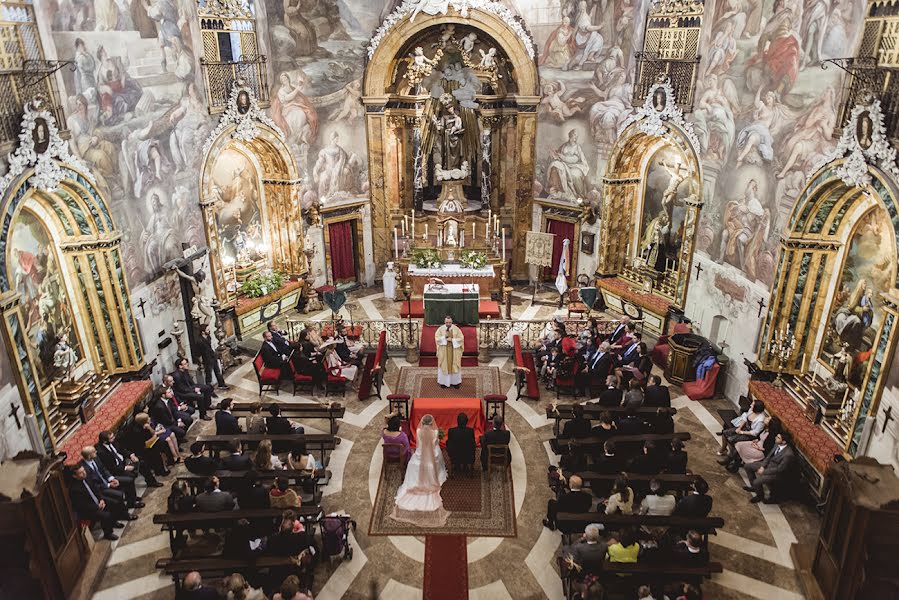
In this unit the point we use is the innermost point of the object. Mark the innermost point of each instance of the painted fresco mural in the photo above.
(235, 185)
(38, 278)
(856, 313)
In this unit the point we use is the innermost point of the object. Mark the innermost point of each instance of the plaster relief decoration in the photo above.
(234, 9)
(659, 108)
(411, 8)
(41, 148)
(244, 113)
(863, 141)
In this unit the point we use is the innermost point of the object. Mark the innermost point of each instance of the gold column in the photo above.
(526, 139)
(285, 225)
(616, 212)
(375, 123)
(693, 205)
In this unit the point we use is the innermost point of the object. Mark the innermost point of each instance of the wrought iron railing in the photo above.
(399, 332)
(221, 75)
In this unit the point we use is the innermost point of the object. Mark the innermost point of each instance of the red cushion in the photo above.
(494, 398)
(302, 378)
(336, 379)
(470, 345)
(269, 375)
(703, 388)
(533, 388)
(398, 396)
(489, 308)
(519, 359)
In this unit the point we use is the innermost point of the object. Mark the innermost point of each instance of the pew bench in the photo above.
(593, 411)
(373, 370)
(221, 567)
(672, 482)
(231, 480)
(650, 574)
(562, 445)
(570, 524)
(299, 410)
(321, 442)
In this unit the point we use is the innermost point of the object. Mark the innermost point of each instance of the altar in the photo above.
(458, 300)
(483, 278)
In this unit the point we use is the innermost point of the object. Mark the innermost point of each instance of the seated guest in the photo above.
(279, 338)
(225, 422)
(290, 539)
(551, 366)
(589, 552)
(495, 437)
(283, 496)
(188, 390)
(579, 426)
(544, 349)
(697, 503)
(460, 444)
(349, 352)
(677, 458)
(299, 458)
(180, 499)
(756, 450)
(168, 383)
(606, 427)
(211, 364)
(621, 499)
(200, 464)
(255, 422)
(264, 460)
(252, 493)
(585, 348)
(290, 590)
(630, 423)
(120, 489)
(193, 589)
(121, 462)
(624, 548)
(656, 394)
(649, 462)
(239, 589)
(575, 500)
(688, 592)
(312, 334)
(611, 396)
(273, 358)
(634, 396)
(657, 502)
(691, 550)
(213, 499)
(337, 367)
(278, 425)
(394, 435)
(236, 461)
(163, 412)
(630, 354)
(596, 368)
(89, 505)
(662, 421)
(639, 368)
(607, 463)
(141, 439)
(773, 470)
(620, 330)
(746, 427)
(627, 340)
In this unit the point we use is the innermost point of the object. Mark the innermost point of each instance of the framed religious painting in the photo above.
(243, 102)
(864, 128)
(588, 242)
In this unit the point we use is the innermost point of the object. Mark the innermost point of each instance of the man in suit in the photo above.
(494, 437)
(200, 464)
(629, 354)
(589, 552)
(121, 462)
(88, 504)
(656, 395)
(120, 489)
(278, 425)
(279, 338)
(211, 364)
(697, 504)
(772, 470)
(577, 427)
(161, 412)
(620, 330)
(630, 423)
(212, 499)
(611, 396)
(677, 458)
(187, 390)
(597, 368)
(193, 589)
(574, 501)
(273, 357)
(225, 422)
(460, 444)
(236, 461)
(179, 410)
(607, 463)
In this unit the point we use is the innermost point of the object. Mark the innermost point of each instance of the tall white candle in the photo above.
(426, 231)
(504, 245)
(474, 234)
(487, 230)
(396, 243)
(461, 238)
(490, 215)
(403, 225)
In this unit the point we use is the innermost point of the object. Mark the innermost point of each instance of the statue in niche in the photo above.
(419, 66)
(468, 43)
(678, 173)
(452, 233)
(448, 152)
(64, 358)
(842, 365)
(202, 309)
(653, 246)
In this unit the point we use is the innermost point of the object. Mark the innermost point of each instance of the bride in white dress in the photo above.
(418, 500)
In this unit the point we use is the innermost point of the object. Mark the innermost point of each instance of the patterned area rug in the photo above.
(421, 382)
(480, 505)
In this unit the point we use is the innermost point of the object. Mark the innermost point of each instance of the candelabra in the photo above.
(781, 348)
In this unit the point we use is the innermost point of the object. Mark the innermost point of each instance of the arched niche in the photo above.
(75, 218)
(653, 168)
(266, 181)
(836, 281)
(396, 118)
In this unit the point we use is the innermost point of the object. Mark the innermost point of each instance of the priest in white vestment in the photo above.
(450, 343)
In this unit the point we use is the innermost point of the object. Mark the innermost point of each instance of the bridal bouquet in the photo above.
(472, 259)
(426, 258)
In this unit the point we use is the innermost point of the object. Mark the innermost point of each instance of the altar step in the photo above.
(427, 352)
(487, 309)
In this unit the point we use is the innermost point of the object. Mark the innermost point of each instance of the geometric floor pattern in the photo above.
(753, 546)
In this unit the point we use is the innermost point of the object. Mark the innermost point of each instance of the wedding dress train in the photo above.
(418, 500)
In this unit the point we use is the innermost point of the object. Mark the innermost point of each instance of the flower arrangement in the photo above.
(261, 284)
(426, 258)
(472, 259)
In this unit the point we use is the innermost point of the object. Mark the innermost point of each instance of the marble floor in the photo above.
(753, 546)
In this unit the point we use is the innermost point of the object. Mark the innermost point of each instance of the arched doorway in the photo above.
(651, 201)
(61, 275)
(500, 132)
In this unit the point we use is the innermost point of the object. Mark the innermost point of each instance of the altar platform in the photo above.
(427, 353)
(415, 309)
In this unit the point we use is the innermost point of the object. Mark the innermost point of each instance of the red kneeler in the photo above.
(705, 387)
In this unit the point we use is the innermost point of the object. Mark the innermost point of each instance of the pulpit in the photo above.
(682, 348)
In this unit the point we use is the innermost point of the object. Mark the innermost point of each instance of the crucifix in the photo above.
(761, 306)
(14, 413)
(887, 417)
(699, 270)
(140, 305)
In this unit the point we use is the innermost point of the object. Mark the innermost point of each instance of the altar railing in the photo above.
(497, 334)
(399, 332)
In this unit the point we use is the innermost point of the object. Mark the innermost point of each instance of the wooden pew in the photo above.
(318, 441)
(672, 482)
(560, 445)
(574, 523)
(216, 566)
(232, 479)
(299, 410)
(177, 523)
(650, 573)
(566, 411)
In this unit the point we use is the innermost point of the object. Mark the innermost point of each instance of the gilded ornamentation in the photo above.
(658, 109)
(244, 113)
(229, 9)
(41, 148)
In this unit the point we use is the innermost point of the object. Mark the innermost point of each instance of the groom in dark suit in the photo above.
(460, 444)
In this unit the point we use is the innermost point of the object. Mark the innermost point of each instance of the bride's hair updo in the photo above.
(427, 420)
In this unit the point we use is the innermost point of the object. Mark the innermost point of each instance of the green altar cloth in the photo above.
(460, 301)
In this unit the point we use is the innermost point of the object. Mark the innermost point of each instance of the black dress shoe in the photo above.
(224, 387)
(118, 525)
(131, 517)
(154, 484)
(111, 537)
(549, 525)
(205, 418)
(756, 499)
(138, 504)
(748, 488)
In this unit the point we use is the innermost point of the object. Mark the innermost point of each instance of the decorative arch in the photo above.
(395, 122)
(656, 125)
(43, 175)
(244, 128)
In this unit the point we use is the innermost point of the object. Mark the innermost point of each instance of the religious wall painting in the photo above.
(37, 277)
(856, 313)
(661, 230)
(234, 185)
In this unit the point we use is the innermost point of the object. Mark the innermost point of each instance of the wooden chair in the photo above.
(394, 452)
(498, 453)
(335, 384)
(269, 379)
(575, 305)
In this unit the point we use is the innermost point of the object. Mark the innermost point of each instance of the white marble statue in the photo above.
(202, 309)
(65, 358)
(488, 59)
(390, 276)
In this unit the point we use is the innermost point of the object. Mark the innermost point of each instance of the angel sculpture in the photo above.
(419, 66)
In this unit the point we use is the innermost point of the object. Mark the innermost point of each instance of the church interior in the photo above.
(449, 299)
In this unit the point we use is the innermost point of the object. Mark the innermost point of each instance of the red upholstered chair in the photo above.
(335, 384)
(705, 387)
(575, 305)
(525, 373)
(565, 377)
(417, 309)
(659, 353)
(269, 379)
(302, 382)
(488, 309)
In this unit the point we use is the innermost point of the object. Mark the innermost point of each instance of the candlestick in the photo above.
(726, 331)
(396, 244)
(440, 238)
(461, 238)
(474, 234)
(403, 224)
(490, 215)
(426, 232)
(487, 230)
(504, 246)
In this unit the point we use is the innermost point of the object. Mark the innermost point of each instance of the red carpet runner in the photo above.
(446, 567)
